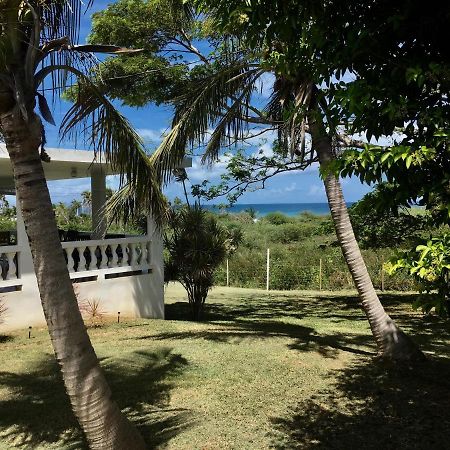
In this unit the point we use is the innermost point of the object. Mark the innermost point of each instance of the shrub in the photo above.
(92, 312)
(195, 246)
(276, 218)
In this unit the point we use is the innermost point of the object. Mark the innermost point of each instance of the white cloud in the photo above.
(199, 172)
(315, 190)
(153, 136)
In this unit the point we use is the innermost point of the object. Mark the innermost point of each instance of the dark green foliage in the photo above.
(165, 30)
(196, 244)
(429, 265)
(376, 225)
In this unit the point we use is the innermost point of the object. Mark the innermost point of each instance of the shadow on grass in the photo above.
(305, 338)
(267, 315)
(38, 410)
(372, 407)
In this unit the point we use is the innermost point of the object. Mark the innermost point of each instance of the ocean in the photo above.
(288, 209)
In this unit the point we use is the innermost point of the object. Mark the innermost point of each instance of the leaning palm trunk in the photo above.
(392, 342)
(100, 418)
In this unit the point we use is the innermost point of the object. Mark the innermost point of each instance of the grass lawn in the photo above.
(283, 370)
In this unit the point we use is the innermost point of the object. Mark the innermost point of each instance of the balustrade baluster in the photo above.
(93, 264)
(82, 262)
(11, 266)
(132, 248)
(138, 254)
(104, 263)
(115, 256)
(148, 247)
(144, 249)
(70, 261)
(121, 259)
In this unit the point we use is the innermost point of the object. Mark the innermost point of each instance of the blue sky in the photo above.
(151, 121)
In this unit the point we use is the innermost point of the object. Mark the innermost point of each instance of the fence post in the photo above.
(382, 275)
(268, 269)
(228, 274)
(320, 274)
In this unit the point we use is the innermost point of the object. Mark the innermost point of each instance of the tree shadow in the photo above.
(373, 407)
(285, 304)
(38, 412)
(305, 339)
(262, 315)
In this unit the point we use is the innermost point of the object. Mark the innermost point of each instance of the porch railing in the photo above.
(9, 265)
(108, 256)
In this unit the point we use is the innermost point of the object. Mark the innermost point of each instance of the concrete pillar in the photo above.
(157, 265)
(26, 266)
(98, 198)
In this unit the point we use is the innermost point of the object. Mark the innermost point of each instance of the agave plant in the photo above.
(196, 244)
(39, 55)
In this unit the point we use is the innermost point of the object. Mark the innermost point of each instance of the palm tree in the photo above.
(222, 100)
(37, 43)
(392, 342)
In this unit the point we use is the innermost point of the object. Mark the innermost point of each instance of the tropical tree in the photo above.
(221, 95)
(38, 44)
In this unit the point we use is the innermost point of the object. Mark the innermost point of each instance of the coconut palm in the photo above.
(222, 101)
(38, 44)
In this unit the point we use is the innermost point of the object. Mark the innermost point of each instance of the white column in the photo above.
(156, 264)
(98, 196)
(25, 261)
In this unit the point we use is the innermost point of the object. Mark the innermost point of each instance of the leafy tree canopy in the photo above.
(167, 31)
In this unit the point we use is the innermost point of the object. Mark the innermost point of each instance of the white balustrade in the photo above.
(109, 255)
(9, 257)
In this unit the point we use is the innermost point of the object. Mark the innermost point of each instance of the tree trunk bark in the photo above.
(100, 418)
(392, 342)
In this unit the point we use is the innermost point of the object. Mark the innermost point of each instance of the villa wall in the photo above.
(132, 284)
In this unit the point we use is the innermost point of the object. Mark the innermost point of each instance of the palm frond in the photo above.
(230, 126)
(112, 137)
(288, 104)
(201, 107)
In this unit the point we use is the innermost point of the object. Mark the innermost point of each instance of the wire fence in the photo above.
(263, 271)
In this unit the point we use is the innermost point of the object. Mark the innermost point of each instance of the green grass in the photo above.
(282, 370)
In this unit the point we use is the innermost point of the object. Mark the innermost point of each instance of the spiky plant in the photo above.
(196, 245)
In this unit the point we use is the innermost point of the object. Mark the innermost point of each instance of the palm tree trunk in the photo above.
(100, 418)
(392, 342)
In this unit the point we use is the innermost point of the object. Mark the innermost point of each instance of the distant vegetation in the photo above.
(297, 244)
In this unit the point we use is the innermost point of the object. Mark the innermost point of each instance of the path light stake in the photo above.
(29, 332)
(118, 317)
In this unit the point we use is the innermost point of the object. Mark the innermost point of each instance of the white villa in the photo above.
(125, 274)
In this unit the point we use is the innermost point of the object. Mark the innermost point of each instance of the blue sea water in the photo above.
(289, 209)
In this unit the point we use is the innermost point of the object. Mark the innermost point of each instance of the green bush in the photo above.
(276, 218)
